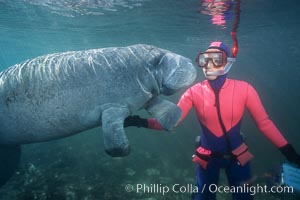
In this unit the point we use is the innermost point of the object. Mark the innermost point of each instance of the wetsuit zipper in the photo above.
(217, 104)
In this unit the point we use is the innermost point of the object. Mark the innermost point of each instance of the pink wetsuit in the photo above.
(234, 97)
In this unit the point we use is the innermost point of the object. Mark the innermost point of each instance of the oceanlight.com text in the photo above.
(251, 189)
(213, 188)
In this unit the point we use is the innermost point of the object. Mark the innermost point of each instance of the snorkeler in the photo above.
(219, 103)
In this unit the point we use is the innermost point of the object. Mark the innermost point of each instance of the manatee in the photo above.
(61, 94)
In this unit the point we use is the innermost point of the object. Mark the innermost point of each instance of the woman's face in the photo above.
(210, 66)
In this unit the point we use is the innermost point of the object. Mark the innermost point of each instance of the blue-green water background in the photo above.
(77, 167)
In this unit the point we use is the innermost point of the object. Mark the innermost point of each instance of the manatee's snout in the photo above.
(118, 151)
(179, 73)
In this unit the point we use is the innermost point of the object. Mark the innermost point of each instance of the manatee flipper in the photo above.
(166, 112)
(115, 141)
(9, 160)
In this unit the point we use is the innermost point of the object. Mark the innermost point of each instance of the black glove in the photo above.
(135, 121)
(289, 152)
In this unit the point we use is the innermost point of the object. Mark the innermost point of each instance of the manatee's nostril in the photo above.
(118, 152)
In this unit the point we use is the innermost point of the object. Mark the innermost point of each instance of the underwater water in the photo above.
(77, 167)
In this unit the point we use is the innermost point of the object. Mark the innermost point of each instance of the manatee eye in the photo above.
(156, 61)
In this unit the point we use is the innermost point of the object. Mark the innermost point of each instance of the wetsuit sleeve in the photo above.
(185, 104)
(261, 118)
(154, 124)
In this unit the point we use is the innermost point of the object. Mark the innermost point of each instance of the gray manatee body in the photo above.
(61, 94)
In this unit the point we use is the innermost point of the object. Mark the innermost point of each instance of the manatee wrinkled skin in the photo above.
(61, 94)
